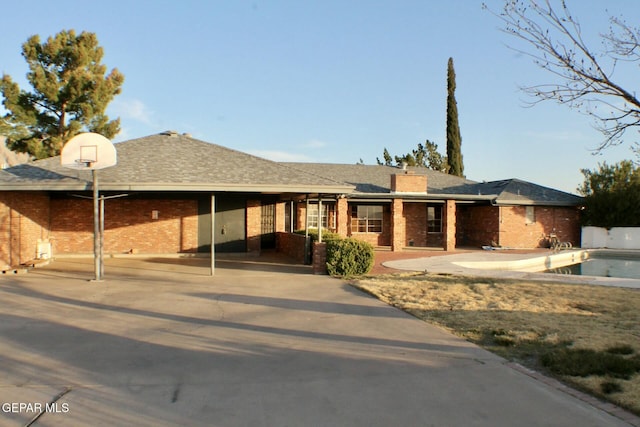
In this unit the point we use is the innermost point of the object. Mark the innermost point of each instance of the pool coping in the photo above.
(523, 266)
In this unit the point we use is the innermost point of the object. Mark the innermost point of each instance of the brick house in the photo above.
(423, 208)
(167, 184)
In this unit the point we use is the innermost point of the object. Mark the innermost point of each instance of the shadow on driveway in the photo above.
(248, 348)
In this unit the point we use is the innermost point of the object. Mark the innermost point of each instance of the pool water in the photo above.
(627, 268)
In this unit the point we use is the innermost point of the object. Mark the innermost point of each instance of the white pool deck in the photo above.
(527, 266)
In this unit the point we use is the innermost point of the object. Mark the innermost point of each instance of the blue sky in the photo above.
(331, 81)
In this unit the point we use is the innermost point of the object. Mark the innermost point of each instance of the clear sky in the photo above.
(331, 80)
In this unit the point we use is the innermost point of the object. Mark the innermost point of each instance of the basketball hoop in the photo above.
(91, 151)
(88, 151)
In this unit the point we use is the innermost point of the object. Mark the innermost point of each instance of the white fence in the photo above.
(614, 238)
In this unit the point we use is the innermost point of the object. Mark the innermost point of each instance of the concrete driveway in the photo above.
(159, 343)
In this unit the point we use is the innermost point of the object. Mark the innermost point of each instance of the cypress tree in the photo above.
(454, 140)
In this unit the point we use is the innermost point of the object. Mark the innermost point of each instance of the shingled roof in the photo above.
(173, 162)
(374, 181)
(518, 192)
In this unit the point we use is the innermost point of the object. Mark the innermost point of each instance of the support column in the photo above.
(254, 225)
(319, 218)
(319, 258)
(280, 223)
(342, 217)
(450, 225)
(398, 228)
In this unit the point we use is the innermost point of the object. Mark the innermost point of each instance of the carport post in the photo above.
(306, 218)
(307, 244)
(319, 218)
(213, 234)
(291, 217)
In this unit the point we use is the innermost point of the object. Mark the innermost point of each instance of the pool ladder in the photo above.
(557, 245)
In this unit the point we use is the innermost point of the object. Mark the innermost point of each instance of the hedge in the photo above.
(349, 257)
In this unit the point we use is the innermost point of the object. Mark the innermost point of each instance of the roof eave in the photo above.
(161, 186)
(423, 196)
(555, 203)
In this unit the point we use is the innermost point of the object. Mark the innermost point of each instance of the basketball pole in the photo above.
(213, 235)
(96, 227)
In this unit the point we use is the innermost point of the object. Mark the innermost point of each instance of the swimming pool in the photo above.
(604, 264)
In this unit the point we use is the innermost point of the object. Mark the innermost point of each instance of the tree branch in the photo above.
(559, 48)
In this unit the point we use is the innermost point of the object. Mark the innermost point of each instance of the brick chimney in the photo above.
(408, 182)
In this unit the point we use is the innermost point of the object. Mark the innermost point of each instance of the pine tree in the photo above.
(388, 161)
(70, 94)
(425, 156)
(454, 140)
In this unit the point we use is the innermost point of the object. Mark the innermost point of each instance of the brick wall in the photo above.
(5, 230)
(293, 245)
(24, 219)
(415, 216)
(478, 225)
(319, 258)
(128, 226)
(515, 231)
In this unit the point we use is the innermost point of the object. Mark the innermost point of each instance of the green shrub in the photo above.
(349, 257)
(327, 235)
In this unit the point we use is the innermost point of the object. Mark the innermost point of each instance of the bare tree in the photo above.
(585, 80)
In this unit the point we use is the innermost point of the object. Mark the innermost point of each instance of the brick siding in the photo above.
(129, 226)
(516, 232)
(415, 216)
(292, 245)
(24, 219)
(478, 225)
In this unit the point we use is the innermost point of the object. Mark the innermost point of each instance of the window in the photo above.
(434, 219)
(366, 219)
(529, 215)
(328, 216)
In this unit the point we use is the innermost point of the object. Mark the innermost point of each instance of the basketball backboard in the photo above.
(88, 151)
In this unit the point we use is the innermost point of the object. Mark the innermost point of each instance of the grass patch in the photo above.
(621, 349)
(609, 387)
(584, 335)
(584, 362)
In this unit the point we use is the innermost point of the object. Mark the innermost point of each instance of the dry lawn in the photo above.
(524, 321)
